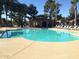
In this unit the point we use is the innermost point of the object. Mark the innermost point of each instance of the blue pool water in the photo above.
(43, 35)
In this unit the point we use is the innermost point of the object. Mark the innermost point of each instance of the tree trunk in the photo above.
(0, 15)
(50, 15)
(75, 19)
(11, 19)
(56, 14)
(6, 12)
(6, 18)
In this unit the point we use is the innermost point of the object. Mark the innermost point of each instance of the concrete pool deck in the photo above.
(8, 28)
(19, 48)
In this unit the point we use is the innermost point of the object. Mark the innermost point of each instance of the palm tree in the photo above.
(74, 2)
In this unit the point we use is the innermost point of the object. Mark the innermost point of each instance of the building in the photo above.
(42, 22)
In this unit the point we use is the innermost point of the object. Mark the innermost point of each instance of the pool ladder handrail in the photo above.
(3, 33)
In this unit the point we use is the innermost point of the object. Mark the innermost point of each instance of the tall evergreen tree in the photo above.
(51, 8)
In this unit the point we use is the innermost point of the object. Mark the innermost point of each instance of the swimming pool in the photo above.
(42, 35)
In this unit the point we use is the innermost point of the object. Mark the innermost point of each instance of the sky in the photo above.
(64, 9)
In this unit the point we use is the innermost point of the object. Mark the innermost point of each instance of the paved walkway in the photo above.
(11, 47)
(20, 48)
